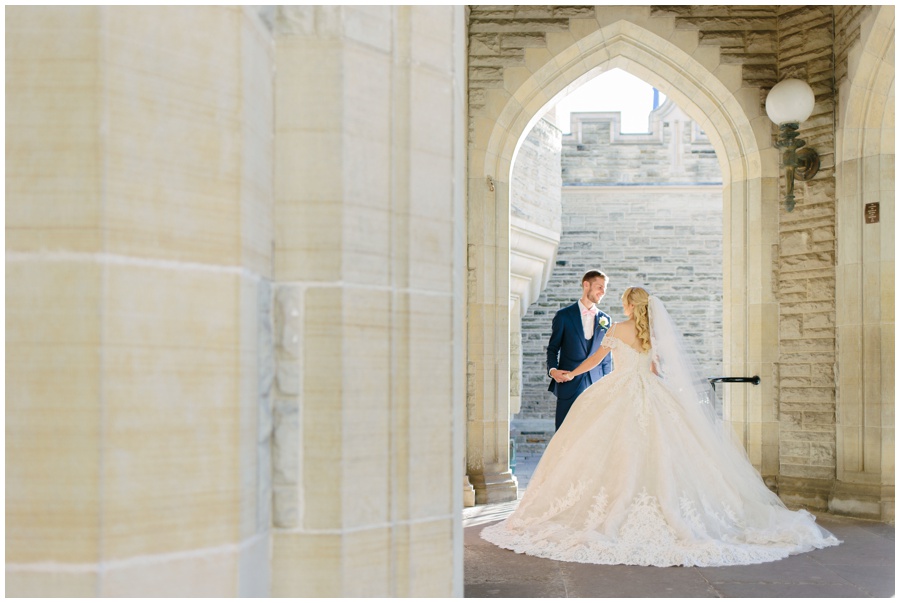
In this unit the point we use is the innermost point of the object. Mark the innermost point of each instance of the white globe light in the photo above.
(790, 101)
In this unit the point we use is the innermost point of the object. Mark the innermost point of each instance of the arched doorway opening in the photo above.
(644, 206)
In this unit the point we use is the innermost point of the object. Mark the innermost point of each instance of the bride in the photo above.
(643, 473)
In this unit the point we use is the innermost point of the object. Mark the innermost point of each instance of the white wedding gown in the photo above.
(634, 478)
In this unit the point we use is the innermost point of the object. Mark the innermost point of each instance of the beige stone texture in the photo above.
(417, 561)
(60, 175)
(368, 253)
(53, 437)
(322, 410)
(257, 149)
(175, 347)
(180, 215)
(371, 573)
(429, 563)
(368, 401)
(211, 573)
(537, 58)
(430, 38)
(151, 463)
(306, 563)
(45, 584)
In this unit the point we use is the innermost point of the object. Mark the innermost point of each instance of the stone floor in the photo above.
(862, 566)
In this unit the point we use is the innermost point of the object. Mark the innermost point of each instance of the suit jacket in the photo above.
(568, 348)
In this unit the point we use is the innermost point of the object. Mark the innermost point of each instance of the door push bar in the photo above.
(754, 380)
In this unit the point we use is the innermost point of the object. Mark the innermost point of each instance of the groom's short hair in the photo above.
(591, 275)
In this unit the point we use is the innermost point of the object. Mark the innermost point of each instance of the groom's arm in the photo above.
(553, 346)
(606, 365)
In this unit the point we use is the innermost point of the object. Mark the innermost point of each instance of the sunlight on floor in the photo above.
(482, 514)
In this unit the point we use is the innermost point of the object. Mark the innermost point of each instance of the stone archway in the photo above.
(713, 94)
(865, 269)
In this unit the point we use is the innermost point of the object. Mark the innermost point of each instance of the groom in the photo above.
(577, 332)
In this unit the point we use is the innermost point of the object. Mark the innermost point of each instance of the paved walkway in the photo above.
(862, 566)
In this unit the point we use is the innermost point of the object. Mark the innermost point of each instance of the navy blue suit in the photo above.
(567, 349)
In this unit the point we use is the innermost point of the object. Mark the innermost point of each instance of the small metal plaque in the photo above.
(872, 213)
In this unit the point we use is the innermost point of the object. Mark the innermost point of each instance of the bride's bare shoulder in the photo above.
(625, 328)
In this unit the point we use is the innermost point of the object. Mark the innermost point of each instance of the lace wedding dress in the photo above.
(634, 476)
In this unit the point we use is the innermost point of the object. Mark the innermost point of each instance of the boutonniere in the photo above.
(603, 322)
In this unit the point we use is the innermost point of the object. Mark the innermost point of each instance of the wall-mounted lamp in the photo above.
(789, 103)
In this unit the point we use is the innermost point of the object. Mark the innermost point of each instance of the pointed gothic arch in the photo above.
(730, 117)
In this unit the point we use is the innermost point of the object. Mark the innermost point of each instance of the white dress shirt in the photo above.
(587, 320)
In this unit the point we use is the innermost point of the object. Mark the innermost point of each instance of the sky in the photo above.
(614, 90)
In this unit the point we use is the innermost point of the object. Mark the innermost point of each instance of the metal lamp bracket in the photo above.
(807, 164)
(799, 161)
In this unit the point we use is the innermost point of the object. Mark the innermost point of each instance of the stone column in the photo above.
(750, 314)
(138, 257)
(369, 264)
(865, 297)
(515, 354)
(487, 383)
(523, 237)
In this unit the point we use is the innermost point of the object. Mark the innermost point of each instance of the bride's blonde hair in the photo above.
(639, 298)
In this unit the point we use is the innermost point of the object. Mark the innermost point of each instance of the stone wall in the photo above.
(805, 275)
(536, 179)
(500, 35)
(675, 151)
(744, 35)
(847, 24)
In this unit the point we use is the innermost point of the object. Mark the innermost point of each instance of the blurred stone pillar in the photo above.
(369, 263)
(139, 160)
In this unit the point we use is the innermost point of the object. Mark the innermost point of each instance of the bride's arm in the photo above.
(590, 362)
